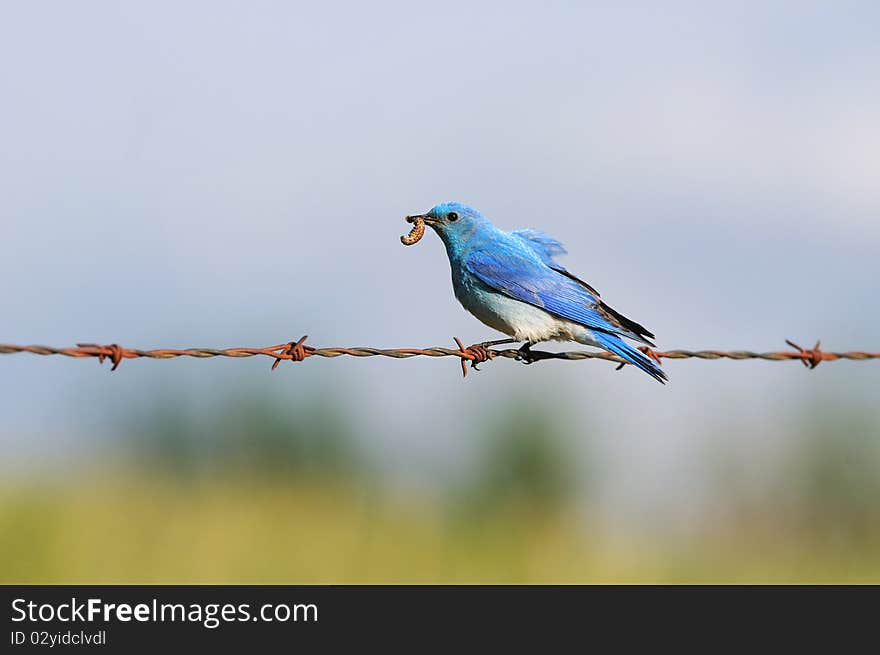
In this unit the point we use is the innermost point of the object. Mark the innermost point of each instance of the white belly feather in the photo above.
(522, 321)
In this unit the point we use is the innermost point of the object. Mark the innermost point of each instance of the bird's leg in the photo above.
(497, 342)
(525, 353)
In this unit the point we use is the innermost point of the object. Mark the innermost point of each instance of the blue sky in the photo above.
(236, 173)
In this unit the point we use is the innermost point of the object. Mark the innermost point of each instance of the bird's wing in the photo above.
(546, 247)
(530, 281)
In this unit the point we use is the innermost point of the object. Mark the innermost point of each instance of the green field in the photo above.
(277, 493)
(249, 530)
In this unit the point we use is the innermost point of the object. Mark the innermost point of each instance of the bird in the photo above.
(512, 283)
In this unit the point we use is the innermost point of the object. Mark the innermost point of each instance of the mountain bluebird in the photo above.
(511, 282)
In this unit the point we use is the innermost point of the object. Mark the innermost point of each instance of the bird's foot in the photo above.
(525, 354)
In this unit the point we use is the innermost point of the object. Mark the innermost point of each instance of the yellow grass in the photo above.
(247, 530)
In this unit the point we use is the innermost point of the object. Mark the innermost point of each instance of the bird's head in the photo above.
(454, 222)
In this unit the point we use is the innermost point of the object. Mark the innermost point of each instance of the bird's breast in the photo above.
(520, 320)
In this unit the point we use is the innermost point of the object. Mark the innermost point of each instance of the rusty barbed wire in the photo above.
(475, 354)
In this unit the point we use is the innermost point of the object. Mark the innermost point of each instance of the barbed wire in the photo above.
(475, 354)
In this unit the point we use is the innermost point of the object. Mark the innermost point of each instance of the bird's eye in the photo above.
(452, 217)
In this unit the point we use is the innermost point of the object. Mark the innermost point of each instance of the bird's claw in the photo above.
(525, 354)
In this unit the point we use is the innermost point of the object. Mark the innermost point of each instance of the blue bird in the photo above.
(511, 282)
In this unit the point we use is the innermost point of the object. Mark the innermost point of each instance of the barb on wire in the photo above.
(475, 354)
(294, 351)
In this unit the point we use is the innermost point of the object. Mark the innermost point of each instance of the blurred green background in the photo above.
(280, 492)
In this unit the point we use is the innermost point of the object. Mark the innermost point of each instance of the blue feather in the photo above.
(634, 356)
(528, 280)
(546, 247)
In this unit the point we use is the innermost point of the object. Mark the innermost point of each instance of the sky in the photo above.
(224, 174)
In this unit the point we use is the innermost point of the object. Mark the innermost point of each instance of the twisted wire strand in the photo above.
(474, 354)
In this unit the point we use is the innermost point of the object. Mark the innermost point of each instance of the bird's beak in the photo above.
(429, 220)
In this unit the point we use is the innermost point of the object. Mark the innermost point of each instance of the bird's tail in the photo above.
(619, 347)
